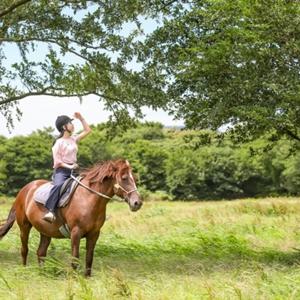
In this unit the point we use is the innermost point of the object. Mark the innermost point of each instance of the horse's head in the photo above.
(125, 186)
(117, 176)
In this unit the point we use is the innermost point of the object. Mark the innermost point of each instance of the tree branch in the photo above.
(165, 5)
(285, 130)
(16, 98)
(50, 91)
(291, 134)
(13, 7)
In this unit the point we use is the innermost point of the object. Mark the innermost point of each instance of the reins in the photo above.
(117, 186)
(89, 189)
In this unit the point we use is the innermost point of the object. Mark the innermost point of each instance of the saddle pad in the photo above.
(42, 193)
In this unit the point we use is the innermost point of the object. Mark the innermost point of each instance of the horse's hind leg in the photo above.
(25, 230)
(43, 247)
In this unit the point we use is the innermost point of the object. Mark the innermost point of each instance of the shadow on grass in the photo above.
(199, 254)
(10, 257)
(13, 258)
(202, 254)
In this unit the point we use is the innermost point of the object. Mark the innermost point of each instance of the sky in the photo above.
(42, 111)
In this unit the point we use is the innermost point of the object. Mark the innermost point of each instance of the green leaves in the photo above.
(208, 62)
(231, 62)
(184, 164)
(69, 48)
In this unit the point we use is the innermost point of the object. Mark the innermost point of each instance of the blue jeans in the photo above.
(60, 175)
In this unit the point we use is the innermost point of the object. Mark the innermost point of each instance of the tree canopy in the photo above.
(209, 62)
(72, 48)
(231, 62)
(169, 163)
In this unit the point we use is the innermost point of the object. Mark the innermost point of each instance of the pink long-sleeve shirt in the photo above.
(65, 151)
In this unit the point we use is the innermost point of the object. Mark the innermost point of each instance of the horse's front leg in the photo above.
(75, 243)
(91, 240)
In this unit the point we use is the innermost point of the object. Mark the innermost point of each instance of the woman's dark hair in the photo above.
(60, 135)
(59, 123)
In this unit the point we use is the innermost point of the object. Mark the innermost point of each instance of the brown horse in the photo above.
(84, 215)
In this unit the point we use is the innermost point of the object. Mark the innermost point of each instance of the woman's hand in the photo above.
(77, 115)
(67, 166)
(74, 166)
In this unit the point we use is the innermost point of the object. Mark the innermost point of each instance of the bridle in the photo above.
(116, 186)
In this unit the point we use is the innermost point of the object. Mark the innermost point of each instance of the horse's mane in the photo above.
(104, 169)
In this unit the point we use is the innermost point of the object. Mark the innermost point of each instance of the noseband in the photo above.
(116, 186)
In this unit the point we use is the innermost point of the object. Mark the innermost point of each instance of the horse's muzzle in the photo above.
(135, 203)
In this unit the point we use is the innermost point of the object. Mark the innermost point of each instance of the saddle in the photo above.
(67, 190)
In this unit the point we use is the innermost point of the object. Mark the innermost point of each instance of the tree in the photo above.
(148, 159)
(210, 62)
(24, 159)
(184, 177)
(94, 148)
(231, 62)
(291, 175)
(72, 48)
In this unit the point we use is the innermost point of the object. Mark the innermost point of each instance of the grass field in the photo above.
(244, 249)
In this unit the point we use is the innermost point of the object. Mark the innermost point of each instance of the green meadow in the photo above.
(242, 249)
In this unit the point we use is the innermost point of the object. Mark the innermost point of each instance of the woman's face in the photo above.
(69, 126)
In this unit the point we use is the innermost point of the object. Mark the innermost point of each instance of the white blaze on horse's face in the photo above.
(126, 188)
(133, 195)
(133, 181)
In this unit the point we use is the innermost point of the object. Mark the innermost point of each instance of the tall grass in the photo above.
(246, 249)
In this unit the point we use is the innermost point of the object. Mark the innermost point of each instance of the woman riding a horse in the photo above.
(64, 153)
(84, 215)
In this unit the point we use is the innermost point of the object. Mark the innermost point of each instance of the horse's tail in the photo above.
(9, 222)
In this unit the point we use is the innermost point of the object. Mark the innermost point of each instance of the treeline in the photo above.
(170, 163)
